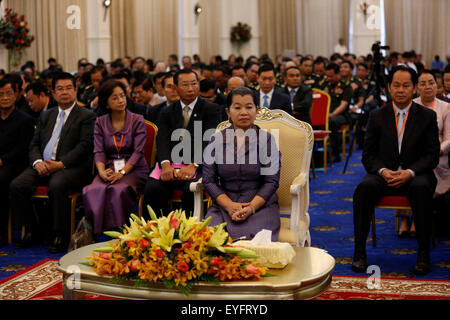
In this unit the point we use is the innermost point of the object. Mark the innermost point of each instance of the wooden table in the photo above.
(308, 276)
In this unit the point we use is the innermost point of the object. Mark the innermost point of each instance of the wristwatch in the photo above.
(123, 172)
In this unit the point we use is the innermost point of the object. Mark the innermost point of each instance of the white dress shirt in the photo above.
(261, 97)
(66, 116)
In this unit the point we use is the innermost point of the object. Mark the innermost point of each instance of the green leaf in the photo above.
(269, 275)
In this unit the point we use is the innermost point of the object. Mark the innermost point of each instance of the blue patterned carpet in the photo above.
(331, 229)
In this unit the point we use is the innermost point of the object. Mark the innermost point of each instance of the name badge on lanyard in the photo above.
(119, 163)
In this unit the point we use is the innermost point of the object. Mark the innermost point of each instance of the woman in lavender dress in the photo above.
(242, 172)
(119, 138)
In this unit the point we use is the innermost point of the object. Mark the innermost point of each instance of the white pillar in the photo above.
(364, 30)
(188, 29)
(98, 35)
(4, 63)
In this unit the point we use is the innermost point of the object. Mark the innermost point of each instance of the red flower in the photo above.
(182, 266)
(135, 265)
(144, 243)
(188, 245)
(215, 261)
(131, 244)
(174, 223)
(106, 255)
(22, 17)
(252, 269)
(160, 253)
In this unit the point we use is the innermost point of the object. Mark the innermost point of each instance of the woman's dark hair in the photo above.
(105, 91)
(427, 71)
(243, 91)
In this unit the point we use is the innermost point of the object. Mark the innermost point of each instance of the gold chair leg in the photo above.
(325, 142)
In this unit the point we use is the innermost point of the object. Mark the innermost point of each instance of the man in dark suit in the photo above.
(171, 95)
(16, 131)
(60, 157)
(300, 95)
(208, 91)
(182, 118)
(39, 99)
(401, 149)
(268, 96)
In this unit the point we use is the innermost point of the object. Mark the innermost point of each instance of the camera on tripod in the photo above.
(377, 48)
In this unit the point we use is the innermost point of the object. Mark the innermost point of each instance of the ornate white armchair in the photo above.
(295, 141)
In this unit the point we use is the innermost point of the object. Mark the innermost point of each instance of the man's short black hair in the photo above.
(63, 76)
(237, 68)
(99, 68)
(183, 71)
(4, 81)
(166, 76)
(51, 60)
(121, 75)
(146, 84)
(412, 72)
(117, 64)
(333, 66)
(250, 64)
(349, 63)
(207, 84)
(15, 80)
(158, 75)
(266, 67)
(305, 59)
(446, 70)
(362, 64)
(37, 87)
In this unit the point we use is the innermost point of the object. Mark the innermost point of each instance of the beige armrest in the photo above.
(196, 186)
(298, 183)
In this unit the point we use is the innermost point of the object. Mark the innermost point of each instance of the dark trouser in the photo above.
(157, 194)
(58, 185)
(419, 191)
(7, 174)
(334, 124)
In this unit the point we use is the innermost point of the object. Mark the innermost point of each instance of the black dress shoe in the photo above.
(3, 240)
(26, 242)
(336, 159)
(58, 245)
(412, 234)
(423, 264)
(403, 234)
(359, 263)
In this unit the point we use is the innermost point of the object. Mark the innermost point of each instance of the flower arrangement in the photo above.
(14, 35)
(241, 33)
(176, 250)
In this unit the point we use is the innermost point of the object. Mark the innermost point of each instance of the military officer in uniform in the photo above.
(309, 79)
(341, 95)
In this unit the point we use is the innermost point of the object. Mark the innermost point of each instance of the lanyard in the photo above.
(404, 122)
(115, 143)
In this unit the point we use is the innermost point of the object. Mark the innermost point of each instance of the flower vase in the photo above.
(14, 57)
(239, 45)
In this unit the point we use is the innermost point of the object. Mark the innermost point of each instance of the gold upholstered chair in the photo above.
(295, 141)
